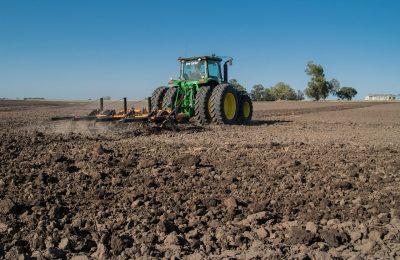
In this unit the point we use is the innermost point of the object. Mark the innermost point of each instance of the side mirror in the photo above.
(230, 62)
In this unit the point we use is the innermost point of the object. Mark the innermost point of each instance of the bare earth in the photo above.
(313, 180)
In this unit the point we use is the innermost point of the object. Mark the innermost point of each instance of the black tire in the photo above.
(157, 98)
(202, 107)
(169, 99)
(245, 109)
(218, 112)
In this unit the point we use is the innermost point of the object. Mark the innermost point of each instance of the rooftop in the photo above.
(379, 95)
(206, 57)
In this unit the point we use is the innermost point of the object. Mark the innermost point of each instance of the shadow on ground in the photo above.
(268, 122)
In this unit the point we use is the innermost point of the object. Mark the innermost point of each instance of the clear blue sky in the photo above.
(79, 49)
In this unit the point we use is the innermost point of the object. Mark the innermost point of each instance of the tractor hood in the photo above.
(177, 82)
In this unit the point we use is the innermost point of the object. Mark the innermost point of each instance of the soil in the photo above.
(313, 180)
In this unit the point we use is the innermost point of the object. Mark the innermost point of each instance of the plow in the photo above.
(201, 93)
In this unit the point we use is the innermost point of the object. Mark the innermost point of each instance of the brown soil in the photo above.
(304, 180)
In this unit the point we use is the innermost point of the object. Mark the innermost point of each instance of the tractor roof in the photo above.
(212, 57)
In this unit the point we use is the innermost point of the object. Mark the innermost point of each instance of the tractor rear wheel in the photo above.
(202, 106)
(168, 102)
(245, 109)
(224, 104)
(157, 98)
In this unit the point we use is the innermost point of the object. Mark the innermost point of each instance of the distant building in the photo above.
(380, 97)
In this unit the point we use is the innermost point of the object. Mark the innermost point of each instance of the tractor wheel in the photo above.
(157, 98)
(224, 104)
(202, 106)
(245, 109)
(168, 102)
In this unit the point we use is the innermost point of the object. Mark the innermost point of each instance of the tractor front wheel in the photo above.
(157, 98)
(224, 104)
(202, 107)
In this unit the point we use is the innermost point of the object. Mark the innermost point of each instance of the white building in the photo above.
(380, 97)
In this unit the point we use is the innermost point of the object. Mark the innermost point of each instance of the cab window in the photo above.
(193, 70)
(214, 70)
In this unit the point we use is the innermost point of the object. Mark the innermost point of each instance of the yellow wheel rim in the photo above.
(229, 106)
(246, 109)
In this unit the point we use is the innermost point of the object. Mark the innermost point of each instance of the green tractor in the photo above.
(203, 93)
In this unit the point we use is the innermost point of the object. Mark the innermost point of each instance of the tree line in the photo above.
(280, 91)
(317, 88)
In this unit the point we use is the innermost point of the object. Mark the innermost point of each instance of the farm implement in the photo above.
(102, 115)
(202, 92)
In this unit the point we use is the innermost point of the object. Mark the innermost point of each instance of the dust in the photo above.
(82, 127)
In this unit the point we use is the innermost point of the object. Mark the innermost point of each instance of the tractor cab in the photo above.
(204, 69)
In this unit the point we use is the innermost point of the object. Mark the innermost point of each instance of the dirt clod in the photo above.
(230, 203)
(300, 236)
(186, 160)
(6, 206)
(333, 238)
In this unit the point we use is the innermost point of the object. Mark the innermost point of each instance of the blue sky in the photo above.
(79, 49)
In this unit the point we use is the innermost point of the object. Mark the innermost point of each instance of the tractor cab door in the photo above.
(214, 70)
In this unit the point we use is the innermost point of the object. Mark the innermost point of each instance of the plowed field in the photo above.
(304, 179)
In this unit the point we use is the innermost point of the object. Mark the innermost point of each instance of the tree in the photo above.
(236, 84)
(346, 93)
(318, 87)
(267, 95)
(299, 95)
(282, 91)
(257, 92)
(334, 86)
(279, 91)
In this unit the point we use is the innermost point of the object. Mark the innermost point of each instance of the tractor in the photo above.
(203, 93)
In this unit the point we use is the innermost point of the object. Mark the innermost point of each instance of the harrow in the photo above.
(109, 115)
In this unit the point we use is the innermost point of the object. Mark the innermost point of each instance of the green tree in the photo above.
(334, 86)
(282, 91)
(299, 95)
(267, 95)
(318, 87)
(257, 92)
(237, 85)
(346, 93)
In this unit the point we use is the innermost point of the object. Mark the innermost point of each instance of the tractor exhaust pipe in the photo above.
(229, 61)
(101, 104)
(225, 72)
(125, 106)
